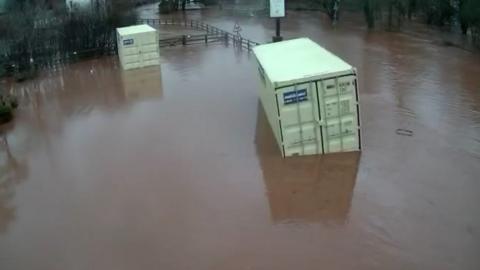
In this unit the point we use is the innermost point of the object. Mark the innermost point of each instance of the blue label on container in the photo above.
(127, 42)
(295, 96)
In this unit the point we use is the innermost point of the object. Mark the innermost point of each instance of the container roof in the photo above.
(135, 29)
(296, 59)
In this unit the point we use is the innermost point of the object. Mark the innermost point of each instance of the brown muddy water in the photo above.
(176, 168)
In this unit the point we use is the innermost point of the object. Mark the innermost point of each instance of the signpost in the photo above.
(277, 11)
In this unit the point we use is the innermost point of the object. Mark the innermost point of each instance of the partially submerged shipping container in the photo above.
(138, 46)
(310, 97)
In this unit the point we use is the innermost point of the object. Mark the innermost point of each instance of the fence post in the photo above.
(206, 39)
(226, 38)
(184, 40)
(248, 45)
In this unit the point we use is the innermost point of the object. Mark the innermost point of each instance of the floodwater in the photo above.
(176, 168)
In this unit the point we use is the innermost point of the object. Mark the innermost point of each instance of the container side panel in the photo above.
(300, 119)
(130, 52)
(338, 109)
(120, 48)
(149, 49)
(269, 103)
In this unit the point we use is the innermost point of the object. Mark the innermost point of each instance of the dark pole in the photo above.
(277, 11)
(277, 38)
(278, 27)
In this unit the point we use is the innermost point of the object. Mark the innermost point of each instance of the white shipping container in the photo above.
(138, 46)
(310, 97)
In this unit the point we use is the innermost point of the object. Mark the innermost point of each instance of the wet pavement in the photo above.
(176, 168)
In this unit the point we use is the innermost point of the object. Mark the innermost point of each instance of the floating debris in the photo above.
(404, 132)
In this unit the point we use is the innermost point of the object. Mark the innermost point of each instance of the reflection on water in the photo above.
(12, 172)
(83, 87)
(74, 89)
(305, 189)
(144, 83)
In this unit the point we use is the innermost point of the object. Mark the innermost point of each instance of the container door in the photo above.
(299, 118)
(338, 111)
(131, 52)
(149, 50)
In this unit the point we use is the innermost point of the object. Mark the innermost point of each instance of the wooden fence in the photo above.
(191, 39)
(214, 34)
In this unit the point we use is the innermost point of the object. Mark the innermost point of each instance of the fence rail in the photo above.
(213, 32)
(191, 39)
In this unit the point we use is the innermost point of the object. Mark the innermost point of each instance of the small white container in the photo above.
(310, 97)
(138, 46)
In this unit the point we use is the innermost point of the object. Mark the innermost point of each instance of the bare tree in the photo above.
(36, 34)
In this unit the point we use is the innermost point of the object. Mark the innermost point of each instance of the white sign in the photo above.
(277, 8)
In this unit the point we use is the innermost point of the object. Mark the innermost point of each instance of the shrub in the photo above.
(8, 104)
(6, 114)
